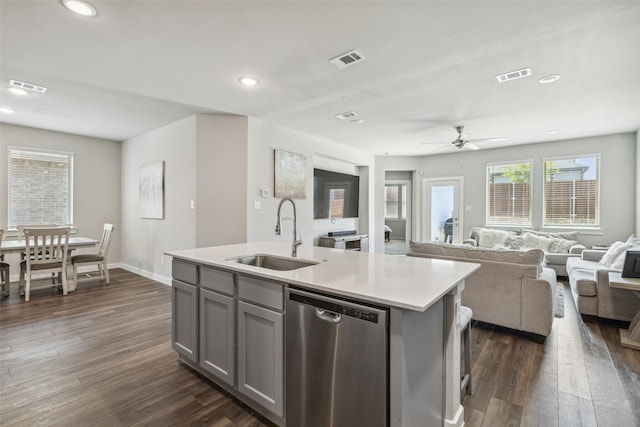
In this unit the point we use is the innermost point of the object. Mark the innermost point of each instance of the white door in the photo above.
(441, 213)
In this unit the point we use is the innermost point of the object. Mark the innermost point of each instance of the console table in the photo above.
(628, 338)
(352, 242)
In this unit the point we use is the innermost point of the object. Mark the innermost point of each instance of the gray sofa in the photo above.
(590, 288)
(510, 289)
(557, 247)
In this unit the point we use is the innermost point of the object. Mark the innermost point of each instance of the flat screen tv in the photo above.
(335, 195)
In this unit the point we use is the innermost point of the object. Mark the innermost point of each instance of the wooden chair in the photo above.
(5, 277)
(100, 258)
(46, 251)
(465, 328)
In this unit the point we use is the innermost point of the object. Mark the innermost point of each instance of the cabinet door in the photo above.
(218, 335)
(364, 243)
(184, 319)
(261, 356)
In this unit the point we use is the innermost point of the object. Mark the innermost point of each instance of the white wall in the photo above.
(637, 183)
(96, 180)
(263, 139)
(618, 187)
(145, 240)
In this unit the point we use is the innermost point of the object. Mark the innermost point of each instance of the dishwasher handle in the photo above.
(328, 316)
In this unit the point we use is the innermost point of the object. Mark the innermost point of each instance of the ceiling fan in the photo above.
(463, 141)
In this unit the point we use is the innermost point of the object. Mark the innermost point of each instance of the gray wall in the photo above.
(145, 240)
(96, 180)
(618, 186)
(221, 180)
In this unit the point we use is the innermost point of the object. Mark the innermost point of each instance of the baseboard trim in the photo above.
(158, 278)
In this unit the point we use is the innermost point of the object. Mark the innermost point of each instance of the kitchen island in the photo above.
(218, 295)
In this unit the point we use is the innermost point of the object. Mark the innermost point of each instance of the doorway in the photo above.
(442, 213)
(397, 214)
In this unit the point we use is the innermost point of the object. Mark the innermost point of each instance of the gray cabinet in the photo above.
(261, 356)
(184, 325)
(261, 342)
(217, 335)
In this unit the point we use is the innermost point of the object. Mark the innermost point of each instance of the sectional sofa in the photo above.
(557, 247)
(511, 288)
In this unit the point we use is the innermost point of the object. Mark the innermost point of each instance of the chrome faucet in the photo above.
(296, 242)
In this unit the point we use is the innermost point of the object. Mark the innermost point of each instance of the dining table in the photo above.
(75, 242)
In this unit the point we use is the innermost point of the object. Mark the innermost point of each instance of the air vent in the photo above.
(28, 86)
(346, 59)
(513, 75)
(346, 115)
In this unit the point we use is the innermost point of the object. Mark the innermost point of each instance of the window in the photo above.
(509, 194)
(572, 191)
(395, 201)
(40, 187)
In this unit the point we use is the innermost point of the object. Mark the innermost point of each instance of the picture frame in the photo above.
(151, 190)
(631, 266)
(290, 171)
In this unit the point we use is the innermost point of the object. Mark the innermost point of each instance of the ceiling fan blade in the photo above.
(499, 139)
(471, 146)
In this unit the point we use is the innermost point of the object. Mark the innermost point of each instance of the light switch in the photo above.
(256, 205)
(467, 208)
(265, 193)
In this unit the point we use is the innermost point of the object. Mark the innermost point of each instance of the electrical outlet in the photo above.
(256, 205)
(192, 204)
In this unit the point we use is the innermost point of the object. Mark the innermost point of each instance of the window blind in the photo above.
(572, 191)
(509, 194)
(40, 187)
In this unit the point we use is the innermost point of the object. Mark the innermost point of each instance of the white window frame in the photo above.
(488, 220)
(43, 151)
(573, 225)
(402, 200)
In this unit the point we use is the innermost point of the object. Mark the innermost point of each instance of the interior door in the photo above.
(442, 216)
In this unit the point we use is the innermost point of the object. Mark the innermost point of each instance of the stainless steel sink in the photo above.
(273, 262)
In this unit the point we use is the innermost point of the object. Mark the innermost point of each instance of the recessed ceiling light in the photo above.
(552, 132)
(6, 110)
(357, 121)
(248, 81)
(18, 91)
(549, 79)
(80, 7)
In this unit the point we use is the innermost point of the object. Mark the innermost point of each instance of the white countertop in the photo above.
(399, 281)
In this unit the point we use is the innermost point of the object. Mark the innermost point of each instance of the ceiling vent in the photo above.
(346, 115)
(513, 75)
(346, 59)
(28, 86)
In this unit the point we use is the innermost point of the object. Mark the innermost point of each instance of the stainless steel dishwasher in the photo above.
(337, 362)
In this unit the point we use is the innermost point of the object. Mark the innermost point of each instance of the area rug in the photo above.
(559, 300)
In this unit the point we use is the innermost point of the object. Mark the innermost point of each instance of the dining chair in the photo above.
(46, 251)
(99, 259)
(5, 280)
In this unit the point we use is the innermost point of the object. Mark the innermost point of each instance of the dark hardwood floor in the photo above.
(102, 357)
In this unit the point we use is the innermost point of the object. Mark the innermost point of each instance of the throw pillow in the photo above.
(514, 242)
(613, 252)
(491, 238)
(536, 242)
(567, 235)
(633, 240)
(618, 263)
(561, 246)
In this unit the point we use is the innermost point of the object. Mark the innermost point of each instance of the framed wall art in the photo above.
(290, 175)
(151, 190)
